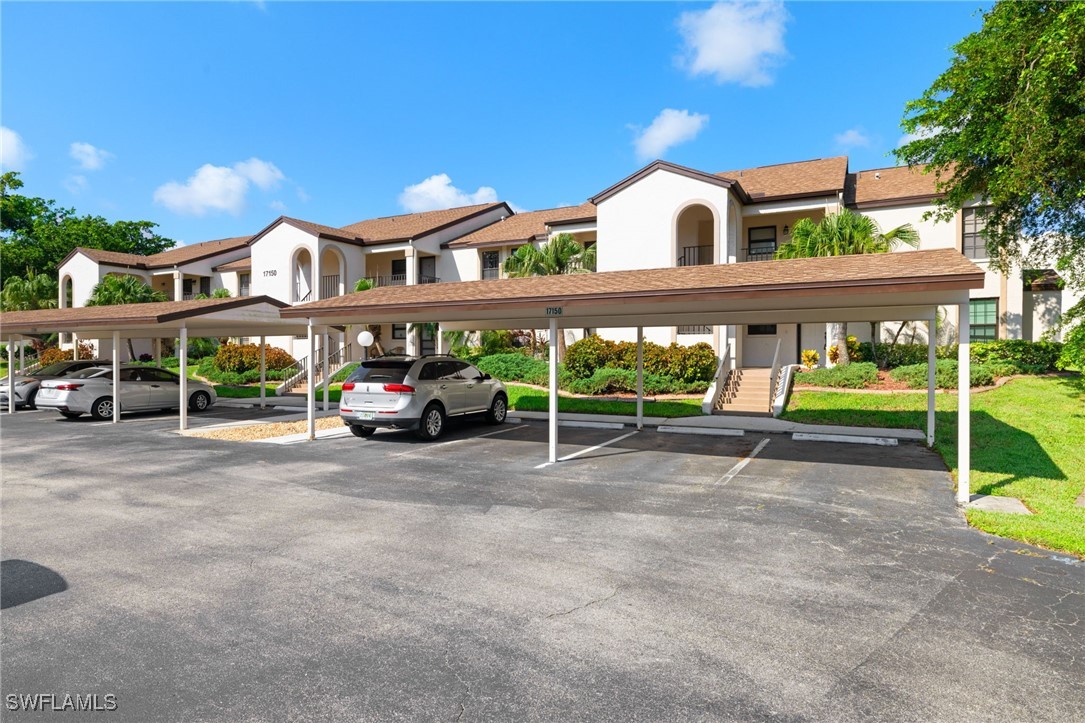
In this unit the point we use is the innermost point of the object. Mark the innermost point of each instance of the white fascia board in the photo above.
(817, 203)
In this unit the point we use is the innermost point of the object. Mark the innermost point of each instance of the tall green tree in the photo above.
(562, 254)
(1006, 123)
(36, 291)
(841, 234)
(113, 290)
(36, 234)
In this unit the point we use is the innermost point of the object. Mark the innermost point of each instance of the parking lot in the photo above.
(649, 576)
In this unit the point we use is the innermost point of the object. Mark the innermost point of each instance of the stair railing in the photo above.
(715, 389)
(775, 373)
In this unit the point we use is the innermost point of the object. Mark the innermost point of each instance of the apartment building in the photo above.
(661, 216)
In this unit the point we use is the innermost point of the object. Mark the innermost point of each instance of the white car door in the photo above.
(477, 391)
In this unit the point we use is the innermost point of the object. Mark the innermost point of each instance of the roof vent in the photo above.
(877, 176)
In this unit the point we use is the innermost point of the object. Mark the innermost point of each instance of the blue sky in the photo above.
(212, 119)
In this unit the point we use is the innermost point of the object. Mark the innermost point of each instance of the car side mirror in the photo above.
(485, 377)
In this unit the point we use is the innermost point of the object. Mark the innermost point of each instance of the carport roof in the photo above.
(246, 316)
(914, 278)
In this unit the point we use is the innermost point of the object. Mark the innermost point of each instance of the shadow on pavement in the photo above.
(22, 581)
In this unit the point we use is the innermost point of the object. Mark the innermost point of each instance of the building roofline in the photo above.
(660, 165)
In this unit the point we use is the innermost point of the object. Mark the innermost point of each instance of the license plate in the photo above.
(367, 415)
(48, 392)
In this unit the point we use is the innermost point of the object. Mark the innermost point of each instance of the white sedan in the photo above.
(142, 388)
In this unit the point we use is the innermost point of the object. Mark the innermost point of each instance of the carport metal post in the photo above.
(324, 367)
(930, 377)
(11, 377)
(553, 421)
(263, 373)
(640, 377)
(182, 356)
(116, 377)
(964, 418)
(310, 393)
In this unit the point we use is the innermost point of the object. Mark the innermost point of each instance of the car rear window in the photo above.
(380, 371)
(89, 372)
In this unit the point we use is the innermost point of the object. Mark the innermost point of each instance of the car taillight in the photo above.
(348, 387)
(67, 387)
(398, 389)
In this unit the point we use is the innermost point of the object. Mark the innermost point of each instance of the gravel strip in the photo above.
(253, 432)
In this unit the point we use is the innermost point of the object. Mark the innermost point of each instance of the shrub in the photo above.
(1042, 354)
(495, 342)
(810, 358)
(201, 347)
(55, 354)
(945, 375)
(467, 353)
(609, 381)
(684, 364)
(515, 367)
(851, 376)
(245, 357)
(854, 351)
(146, 357)
(592, 352)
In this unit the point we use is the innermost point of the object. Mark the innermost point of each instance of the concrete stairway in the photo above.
(746, 392)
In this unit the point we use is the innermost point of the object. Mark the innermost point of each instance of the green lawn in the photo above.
(530, 399)
(1028, 441)
(253, 391)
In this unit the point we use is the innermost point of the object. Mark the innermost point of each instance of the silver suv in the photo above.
(418, 393)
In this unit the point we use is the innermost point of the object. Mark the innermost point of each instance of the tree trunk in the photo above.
(561, 346)
(840, 333)
(131, 351)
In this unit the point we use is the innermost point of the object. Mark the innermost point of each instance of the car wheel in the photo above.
(199, 401)
(499, 410)
(71, 415)
(432, 423)
(102, 408)
(31, 400)
(359, 431)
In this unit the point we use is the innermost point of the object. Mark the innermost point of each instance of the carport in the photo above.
(907, 286)
(247, 316)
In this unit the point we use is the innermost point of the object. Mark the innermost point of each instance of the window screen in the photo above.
(983, 320)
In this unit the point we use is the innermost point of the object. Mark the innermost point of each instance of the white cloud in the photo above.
(277, 206)
(437, 192)
(218, 188)
(76, 183)
(14, 153)
(852, 138)
(918, 135)
(667, 130)
(738, 42)
(88, 157)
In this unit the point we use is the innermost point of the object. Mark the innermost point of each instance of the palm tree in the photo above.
(562, 254)
(841, 234)
(113, 290)
(36, 291)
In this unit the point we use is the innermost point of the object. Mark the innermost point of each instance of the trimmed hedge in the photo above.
(206, 368)
(609, 381)
(245, 357)
(1042, 355)
(851, 376)
(685, 364)
(515, 367)
(945, 375)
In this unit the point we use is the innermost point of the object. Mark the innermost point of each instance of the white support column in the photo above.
(640, 377)
(182, 356)
(553, 420)
(263, 372)
(310, 392)
(178, 286)
(324, 367)
(964, 417)
(158, 351)
(439, 342)
(116, 377)
(75, 346)
(11, 376)
(931, 342)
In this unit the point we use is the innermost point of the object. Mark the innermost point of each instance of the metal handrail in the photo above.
(694, 255)
(775, 373)
(299, 370)
(758, 255)
(715, 390)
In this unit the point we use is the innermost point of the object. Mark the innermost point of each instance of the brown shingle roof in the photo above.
(120, 314)
(171, 257)
(523, 227)
(898, 184)
(414, 225)
(909, 268)
(244, 264)
(788, 180)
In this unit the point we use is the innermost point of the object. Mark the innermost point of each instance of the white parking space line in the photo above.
(588, 449)
(848, 438)
(428, 447)
(741, 464)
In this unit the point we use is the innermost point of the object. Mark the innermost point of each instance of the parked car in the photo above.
(26, 385)
(91, 391)
(418, 394)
